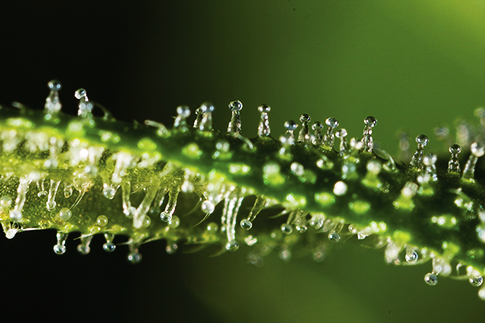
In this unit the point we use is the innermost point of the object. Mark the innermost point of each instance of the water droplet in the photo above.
(129, 212)
(207, 206)
(65, 214)
(476, 281)
(477, 150)
(102, 220)
(232, 245)
(109, 192)
(290, 125)
(431, 279)
(334, 237)
(297, 169)
(246, 224)
(286, 228)
(304, 135)
(134, 257)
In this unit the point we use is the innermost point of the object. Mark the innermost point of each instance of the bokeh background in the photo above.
(412, 64)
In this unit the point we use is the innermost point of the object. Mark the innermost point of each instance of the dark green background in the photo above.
(411, 64)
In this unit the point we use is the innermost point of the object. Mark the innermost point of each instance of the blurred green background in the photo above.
(412, 64)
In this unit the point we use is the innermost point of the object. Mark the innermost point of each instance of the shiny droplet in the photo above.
(207, 206)
(334, 237)
(102, 220)
(171, 248)
(411, 257)
(246, 224)
(232, 245)
(134, 257)
(476, 281)
(431, 279)
(65, 214)
(286, 228)
(109, 247)
(109, 192)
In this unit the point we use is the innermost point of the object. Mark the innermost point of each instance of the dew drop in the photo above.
(246, 224)
(286, 228)
(232, 245)
(65, 214)
(340, 188)
(476, 281)
(80, 93)
(285, 254)
(431, 279)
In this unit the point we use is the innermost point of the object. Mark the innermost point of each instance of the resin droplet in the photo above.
(317, 135)
(367, 140)
(232, 205)
(65, 214)
(102, 221)
(332, 123)
(109, 246)
(234, 126)
(411, 255)
(52, 102)
(134, 257)
(183, 112)
(417, 160)
(60, 247)
(83, 248)
(304, 135)
(207, 207)
(454, 163)
(199, 113)
(246, 224)
(431, 279)
(476, 281)
(344, 146)
(263, 128)
(477, 151)
(286, 228)
(290, 126)
(429, 162)
(205, 122)
(85, 107)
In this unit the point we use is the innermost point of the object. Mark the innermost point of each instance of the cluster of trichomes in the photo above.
(96, 175)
